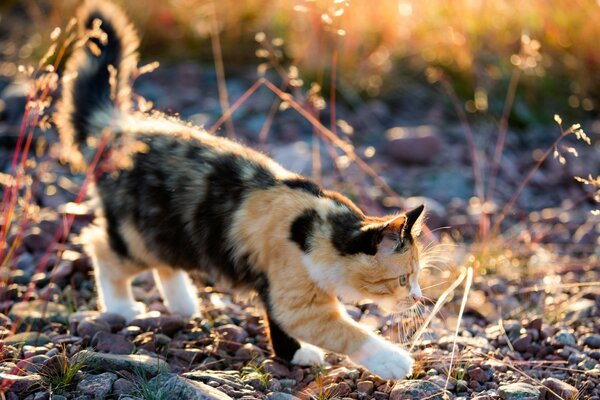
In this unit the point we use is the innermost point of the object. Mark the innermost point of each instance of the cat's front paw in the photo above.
(308, 355)
(384, 359)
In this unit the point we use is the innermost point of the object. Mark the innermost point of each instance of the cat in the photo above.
(195, 201)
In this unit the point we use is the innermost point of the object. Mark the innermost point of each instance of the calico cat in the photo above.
(194, 201)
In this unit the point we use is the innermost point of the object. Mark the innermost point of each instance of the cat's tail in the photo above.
(97, 78)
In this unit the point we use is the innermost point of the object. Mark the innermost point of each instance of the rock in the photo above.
(478, 374)
(564, 338)
(232, 333)
(21, 384)
(519, 391)
(92, 325)
(37, 313)
(115, 362)
(281, 396)
(255, 380)
(37, 241)
(97, 386)
(231, 378)
(115, 321)
(416, 390)
(592, 340)
(154, 321)
(365, 387)
(28, 339)
(580, 310)
(106, 342)
(522, 342)
(562, 389)
(276, 369)
(177, 388)
(122, 386)
(413, 145)
(249, 352)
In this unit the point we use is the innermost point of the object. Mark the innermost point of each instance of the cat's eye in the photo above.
(403, 280)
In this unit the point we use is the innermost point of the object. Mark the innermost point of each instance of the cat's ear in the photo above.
(383, 236)
(414, 221)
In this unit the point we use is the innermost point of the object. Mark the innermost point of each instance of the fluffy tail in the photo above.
(97, 77)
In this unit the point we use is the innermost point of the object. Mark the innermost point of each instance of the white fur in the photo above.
(384, 359)
(331, 279)
(308, 355)
(178, 291)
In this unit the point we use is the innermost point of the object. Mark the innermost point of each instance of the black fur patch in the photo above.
(284, 346)
(347, 237)
(305, 185)
(302, 228)
(91, 89)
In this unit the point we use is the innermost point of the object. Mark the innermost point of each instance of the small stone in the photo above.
(522, 342)
(154, 321)
(564, 338)
(106, 342)
(413, 145)
(232, 333)
(275, 368)
(519, 391)
(38, 313)
(115, 321)
(122, 386)
(179, 387)
(249, 352)
(562, 389)
(21, 385)
(90, 326)
(592, 340)
(114, 362)
(255, 380)
(478, 374)
(281, 396)
(365, 387)
(98, 386)
(416, 390)
(28, 339)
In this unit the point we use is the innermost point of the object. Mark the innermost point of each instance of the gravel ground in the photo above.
(531, 328)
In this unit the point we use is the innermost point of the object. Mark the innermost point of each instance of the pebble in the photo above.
(28, 339)
(592, 340)
(115, 362)
(478, 374)
(281, 396)
(106, 342)
(365, 387)
(154, 321)
(416, 390)
(519, 391)
(564, 338)
(563, 389)
(37, 314)
(89, 326)
(181, 388)
(98, 386)
(413, 145)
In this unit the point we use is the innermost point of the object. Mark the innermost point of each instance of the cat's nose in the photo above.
(417, 298)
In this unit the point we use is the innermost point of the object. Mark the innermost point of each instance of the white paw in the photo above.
(308, 355)
(184, 307)
(384, 359)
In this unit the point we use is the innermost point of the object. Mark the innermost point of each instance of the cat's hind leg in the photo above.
(177, 290)
(114, 274)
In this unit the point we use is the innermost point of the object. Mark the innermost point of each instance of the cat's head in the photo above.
(358, 257)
